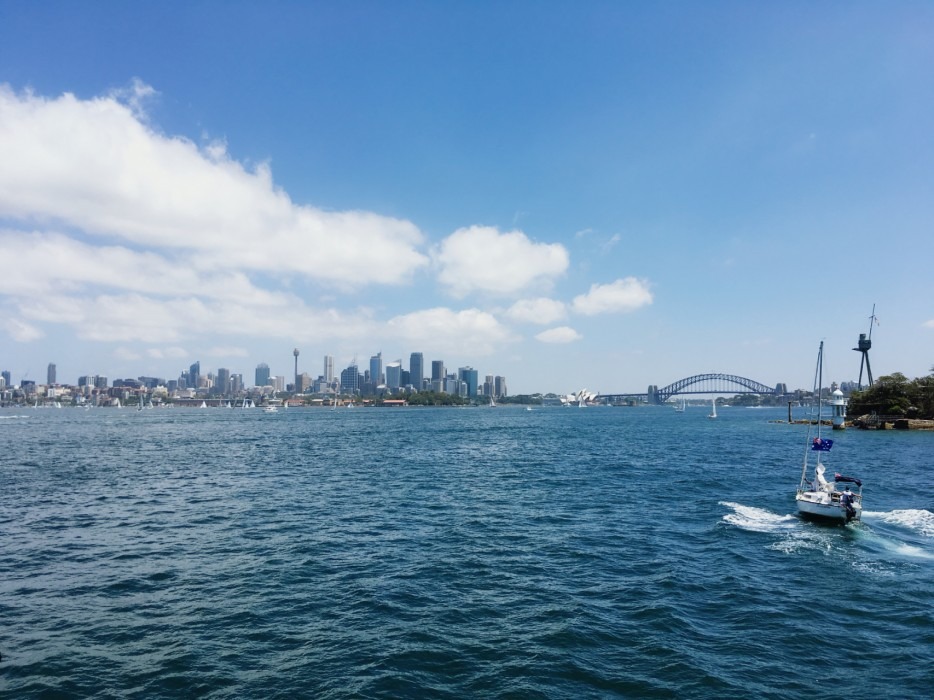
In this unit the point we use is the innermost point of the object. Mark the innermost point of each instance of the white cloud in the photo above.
(929, 324)
(21, 331)
(610, 243)
(96, 165)
(144, 319)
(623, 295)
(444, 330)
(541, 310)
(174, 353)
(481, 259)
(561, 334)
(125, 353)
(222, 351)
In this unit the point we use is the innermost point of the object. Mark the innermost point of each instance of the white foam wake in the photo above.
(921, 521)
(757, 519)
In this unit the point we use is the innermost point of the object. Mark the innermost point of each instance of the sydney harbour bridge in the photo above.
(698, 384)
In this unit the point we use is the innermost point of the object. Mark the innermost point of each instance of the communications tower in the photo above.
(295, 352)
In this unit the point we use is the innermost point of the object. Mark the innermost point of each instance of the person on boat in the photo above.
(846, 500)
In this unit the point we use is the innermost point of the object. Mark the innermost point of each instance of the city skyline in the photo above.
(608, 197)
(264, 375)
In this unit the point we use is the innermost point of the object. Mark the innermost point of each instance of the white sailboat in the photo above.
(818, 498)
(680, 409)
(713, 409)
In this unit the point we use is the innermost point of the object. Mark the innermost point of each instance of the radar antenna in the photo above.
(865, 342)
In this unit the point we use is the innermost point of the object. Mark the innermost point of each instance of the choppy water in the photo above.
(454, 553)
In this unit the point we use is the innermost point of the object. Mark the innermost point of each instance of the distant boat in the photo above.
(819, 499)
(528, 408)
(680, 409)
(713, 410)
(204, 404)
(492, 403)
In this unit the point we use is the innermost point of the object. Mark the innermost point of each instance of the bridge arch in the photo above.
(712, 384)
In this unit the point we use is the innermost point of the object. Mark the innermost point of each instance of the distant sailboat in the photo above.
(680, 409)
(204, 404)
(713, 410)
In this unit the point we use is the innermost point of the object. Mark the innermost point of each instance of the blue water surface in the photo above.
(455, 553)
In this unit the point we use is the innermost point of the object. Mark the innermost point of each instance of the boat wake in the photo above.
(757, 519)
(905, 533)
(920, 521)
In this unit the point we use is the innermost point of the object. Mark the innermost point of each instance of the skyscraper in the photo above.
(499, 387)
(262, 374)
(50, 379)
(351, 380)
(469, 376)
(437, 370)
(376, 369)
(222, 384)
(416, 370)
(394, 374)
(194, 375)
(328, 369)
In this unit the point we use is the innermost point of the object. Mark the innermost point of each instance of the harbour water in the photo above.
(455, 553)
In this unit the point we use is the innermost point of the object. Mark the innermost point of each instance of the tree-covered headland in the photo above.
(896, 395)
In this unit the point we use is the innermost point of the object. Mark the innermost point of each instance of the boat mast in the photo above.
(818, 382)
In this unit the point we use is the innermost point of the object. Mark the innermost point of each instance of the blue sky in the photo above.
(600, 195)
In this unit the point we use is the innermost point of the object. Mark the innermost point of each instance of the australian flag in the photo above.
(821, 444)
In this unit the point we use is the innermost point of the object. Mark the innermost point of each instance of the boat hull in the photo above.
(818, 506)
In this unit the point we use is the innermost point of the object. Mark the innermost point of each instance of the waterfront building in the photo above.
(416, 370)
(499, 386)
(437, 370)
(50, 375)
(7, 378)
(328, 369)
(194, 375)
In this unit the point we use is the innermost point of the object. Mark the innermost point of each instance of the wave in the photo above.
(920, 521)
(757, 519)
